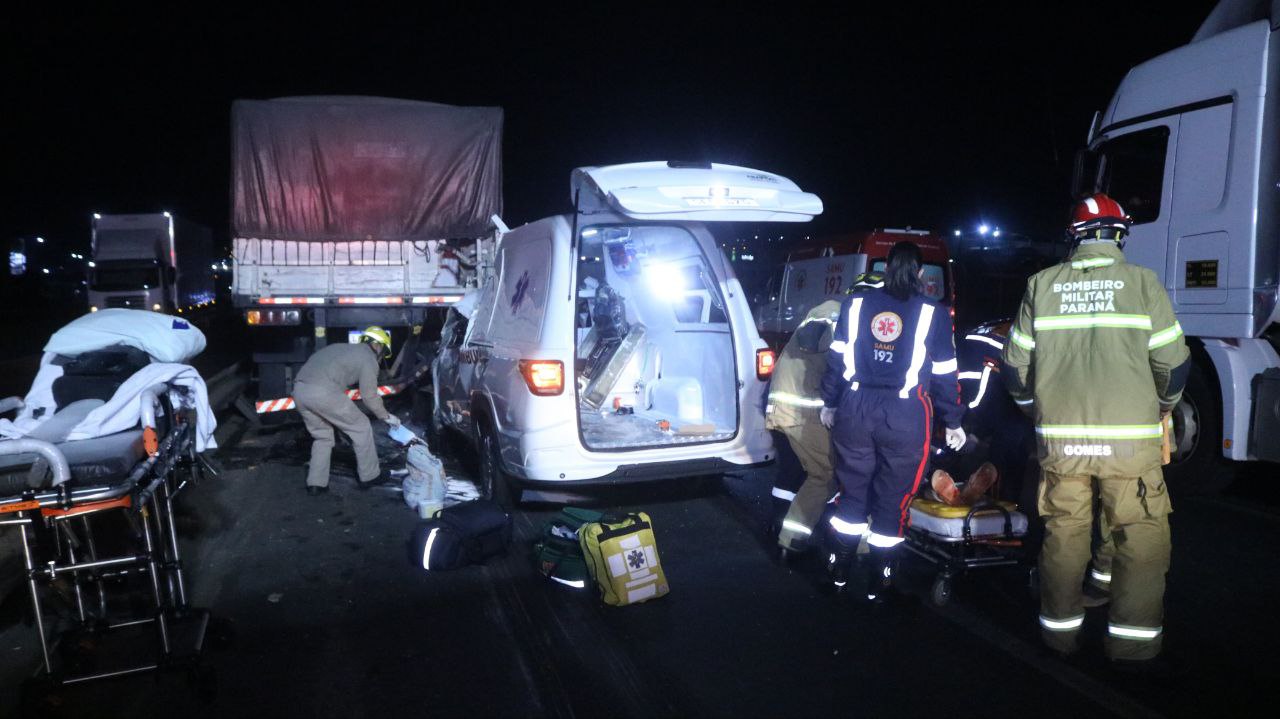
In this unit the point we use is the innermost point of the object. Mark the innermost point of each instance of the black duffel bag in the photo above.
(97, 374)
(463, 534)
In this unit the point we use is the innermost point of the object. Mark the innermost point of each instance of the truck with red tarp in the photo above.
(356, 211)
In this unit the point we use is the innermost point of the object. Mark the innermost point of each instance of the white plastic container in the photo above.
(681, 395)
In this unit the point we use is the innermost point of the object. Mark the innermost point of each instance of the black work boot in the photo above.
(839, 562)
(882, 565)
(383, 478)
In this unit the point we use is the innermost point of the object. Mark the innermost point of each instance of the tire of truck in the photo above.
(1198, 467)
(493, 482)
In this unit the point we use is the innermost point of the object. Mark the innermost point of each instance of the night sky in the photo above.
(918, 115)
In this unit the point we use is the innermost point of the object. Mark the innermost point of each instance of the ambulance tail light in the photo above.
(545, 378)
(765, 360)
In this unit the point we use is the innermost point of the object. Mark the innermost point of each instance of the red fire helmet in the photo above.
(1099, 212)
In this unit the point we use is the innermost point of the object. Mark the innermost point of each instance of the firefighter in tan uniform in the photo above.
(320, 392)
(792, 413)
(1098, 359)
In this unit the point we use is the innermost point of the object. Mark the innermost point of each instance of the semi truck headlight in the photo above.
(93, 308)
(155, 307)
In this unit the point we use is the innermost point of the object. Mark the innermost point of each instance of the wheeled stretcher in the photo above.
(96, 519)
(960, 538)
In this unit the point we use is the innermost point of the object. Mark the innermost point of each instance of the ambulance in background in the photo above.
(1190, 147)
(826, 268)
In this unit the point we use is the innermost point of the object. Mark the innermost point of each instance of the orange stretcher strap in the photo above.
(125, 501)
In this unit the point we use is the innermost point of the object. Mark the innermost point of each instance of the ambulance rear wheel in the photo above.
(1197, 466)
(424, 413)
(494, 483)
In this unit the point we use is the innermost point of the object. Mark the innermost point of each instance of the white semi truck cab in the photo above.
(152, 261)
(1190, 146)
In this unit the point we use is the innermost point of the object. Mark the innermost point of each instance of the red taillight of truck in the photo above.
(765, 360)
(545, 378)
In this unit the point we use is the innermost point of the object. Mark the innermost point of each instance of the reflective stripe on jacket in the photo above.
(885, 343)
(1094, 345)
(795, 396)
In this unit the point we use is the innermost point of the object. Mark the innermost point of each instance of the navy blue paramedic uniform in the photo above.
(891, 365)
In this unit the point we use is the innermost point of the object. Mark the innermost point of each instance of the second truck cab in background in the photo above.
(153, 261)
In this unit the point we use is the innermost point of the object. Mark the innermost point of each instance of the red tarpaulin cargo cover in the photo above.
(352, 168)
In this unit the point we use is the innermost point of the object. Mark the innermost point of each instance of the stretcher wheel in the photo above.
(220, 635)
(203, 680)
(940, 593)
(38, 699)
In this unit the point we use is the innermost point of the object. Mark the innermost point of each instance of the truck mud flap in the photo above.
(1266, 416)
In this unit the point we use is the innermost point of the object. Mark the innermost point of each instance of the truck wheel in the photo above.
(494, 483)
(1198, 467)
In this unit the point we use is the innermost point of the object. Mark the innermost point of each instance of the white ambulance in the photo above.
(615, 343)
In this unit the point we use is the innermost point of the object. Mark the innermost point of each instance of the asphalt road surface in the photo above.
(320, 613)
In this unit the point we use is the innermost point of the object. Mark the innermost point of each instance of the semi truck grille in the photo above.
(128, 301)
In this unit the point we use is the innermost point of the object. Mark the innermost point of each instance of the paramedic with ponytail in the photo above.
(891, 365)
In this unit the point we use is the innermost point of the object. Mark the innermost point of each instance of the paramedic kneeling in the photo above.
(880, 414)
(320, 392)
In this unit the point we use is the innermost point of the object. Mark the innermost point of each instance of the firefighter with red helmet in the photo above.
(1098, 359)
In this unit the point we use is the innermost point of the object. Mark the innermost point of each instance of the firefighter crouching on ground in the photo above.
(320, 392)
(1098, 356)
(890, 344)
(804, 470)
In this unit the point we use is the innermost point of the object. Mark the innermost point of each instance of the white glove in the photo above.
(392, 421)
(956, 438)
(828, 417)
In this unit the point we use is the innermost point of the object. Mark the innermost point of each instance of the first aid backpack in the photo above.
(467, 533)
(558, 554)
(622, 559)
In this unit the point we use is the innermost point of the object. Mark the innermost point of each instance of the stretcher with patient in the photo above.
(959, 528)
(92, 462)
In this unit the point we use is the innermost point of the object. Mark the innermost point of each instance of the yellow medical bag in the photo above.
(622, 559)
